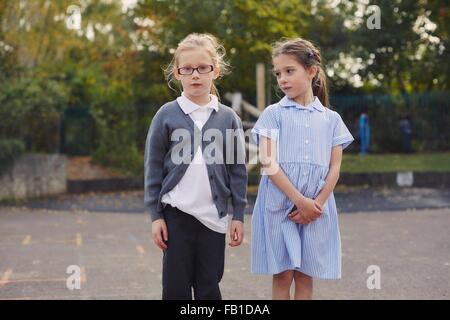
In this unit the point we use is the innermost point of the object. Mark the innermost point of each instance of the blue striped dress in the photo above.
(305, 137)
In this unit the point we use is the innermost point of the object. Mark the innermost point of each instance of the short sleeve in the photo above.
(267, 125)
(341, 134)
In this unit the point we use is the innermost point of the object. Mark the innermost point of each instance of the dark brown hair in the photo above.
(308, 55)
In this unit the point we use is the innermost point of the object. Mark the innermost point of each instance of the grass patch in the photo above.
(426, 162)
(422, 162)
(9, 201)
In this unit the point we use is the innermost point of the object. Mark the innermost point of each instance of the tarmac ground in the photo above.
(55, 251)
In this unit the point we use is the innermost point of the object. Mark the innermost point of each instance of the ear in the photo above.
(312, 71)
(175, 74)
(216, 72)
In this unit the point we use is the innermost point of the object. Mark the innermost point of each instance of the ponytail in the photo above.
(320, 87)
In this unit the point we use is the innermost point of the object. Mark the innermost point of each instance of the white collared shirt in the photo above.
(193, 193)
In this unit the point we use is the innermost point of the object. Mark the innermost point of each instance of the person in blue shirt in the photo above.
(364, 129)
(295, 231)
(406, 129)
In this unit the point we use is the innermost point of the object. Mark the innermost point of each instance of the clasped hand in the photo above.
(306, 211)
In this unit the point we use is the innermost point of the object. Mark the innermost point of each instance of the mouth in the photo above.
(286, 88)
(196, 85)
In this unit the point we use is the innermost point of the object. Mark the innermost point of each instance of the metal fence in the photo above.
(429, 113)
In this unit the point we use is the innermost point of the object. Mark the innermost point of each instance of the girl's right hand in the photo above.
(309, 210)
(159, 233)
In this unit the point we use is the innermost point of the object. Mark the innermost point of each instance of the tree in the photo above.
(410, 51)
(247, 28)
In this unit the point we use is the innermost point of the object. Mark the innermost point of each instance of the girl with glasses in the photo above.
(187, 200)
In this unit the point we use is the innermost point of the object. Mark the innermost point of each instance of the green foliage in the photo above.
(113, 110)
(113, 64)
(30, 110)
(409, 53)
(245, 27)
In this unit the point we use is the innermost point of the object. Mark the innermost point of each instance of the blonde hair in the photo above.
(199, 40)
(308, 55)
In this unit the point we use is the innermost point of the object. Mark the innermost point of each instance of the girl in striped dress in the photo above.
(295, 231)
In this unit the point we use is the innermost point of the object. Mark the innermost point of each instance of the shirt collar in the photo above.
(188, 106)
(316, 104)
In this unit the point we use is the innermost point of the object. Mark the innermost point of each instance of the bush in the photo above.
(120, 154)
(30, 109)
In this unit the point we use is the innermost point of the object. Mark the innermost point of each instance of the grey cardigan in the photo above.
(162, 174)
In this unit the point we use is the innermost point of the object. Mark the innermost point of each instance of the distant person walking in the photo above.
(406, 130)
(364, 132)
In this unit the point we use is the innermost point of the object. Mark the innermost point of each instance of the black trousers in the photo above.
(194, 258)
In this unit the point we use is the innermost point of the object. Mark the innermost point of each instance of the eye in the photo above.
(276, 74)
(290, 71)
(204, 69)
(186, 70)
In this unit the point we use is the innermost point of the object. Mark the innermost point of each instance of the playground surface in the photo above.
(113, 256)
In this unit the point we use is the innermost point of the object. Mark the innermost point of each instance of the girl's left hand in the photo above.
(297, 217)
(300, 217)
(236, 233)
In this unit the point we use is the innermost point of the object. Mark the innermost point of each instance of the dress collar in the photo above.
(316, 104)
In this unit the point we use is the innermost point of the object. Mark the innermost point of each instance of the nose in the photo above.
(281, 79)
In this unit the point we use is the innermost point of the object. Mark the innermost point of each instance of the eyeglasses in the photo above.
(201, 69)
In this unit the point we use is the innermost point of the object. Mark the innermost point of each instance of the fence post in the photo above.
(260, 86)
